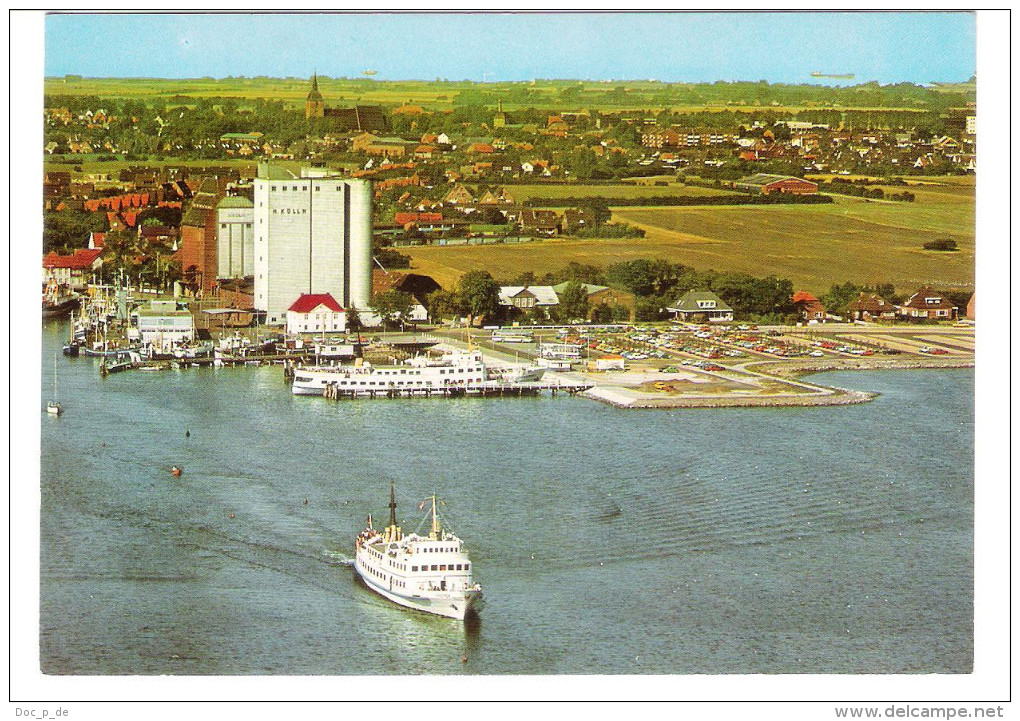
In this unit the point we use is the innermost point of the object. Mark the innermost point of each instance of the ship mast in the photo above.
(434, 533)
(393, 532)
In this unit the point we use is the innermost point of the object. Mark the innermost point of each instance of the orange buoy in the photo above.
(231, 514)
(176, 471)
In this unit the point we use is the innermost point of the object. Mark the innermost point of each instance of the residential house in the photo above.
(316, 313)
(575, 219)
(929, 303)
(660, 138)
(528, 297)
(387, 147)
(809, 308)
(158, 234)
(425, 151)
(701, 305)
(73, 271)
(541, 222)
(459, 195)
(871, 307)
(416, 285)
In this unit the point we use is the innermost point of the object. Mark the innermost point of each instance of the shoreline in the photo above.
(793, 369)
(838, 398)
(628, 398)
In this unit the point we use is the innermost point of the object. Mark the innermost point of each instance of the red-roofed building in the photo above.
(74, 271)
(316, 313)
(809, 308)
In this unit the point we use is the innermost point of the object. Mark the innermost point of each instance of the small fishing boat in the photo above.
(116, 365)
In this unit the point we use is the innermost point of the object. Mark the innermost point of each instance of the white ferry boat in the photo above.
(456, 372)
(427, 573)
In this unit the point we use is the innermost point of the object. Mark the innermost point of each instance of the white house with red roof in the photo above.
(74, 271)
(316, 313)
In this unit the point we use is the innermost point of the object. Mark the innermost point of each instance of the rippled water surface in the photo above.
(608, 541)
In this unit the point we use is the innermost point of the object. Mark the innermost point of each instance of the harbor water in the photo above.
(608, 541)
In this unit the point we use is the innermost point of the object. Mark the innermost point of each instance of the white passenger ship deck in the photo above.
(456, 372)
(429, 573)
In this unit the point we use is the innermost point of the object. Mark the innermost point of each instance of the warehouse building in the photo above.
(235, 237)
(766, 184)
(313, 234)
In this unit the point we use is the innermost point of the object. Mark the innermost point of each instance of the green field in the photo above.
(559, 95)
(614, 190)
(812, 245)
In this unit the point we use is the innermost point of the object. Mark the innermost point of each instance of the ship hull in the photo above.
(59, 309)
(458, 605)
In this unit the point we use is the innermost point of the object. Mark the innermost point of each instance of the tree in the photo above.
(602, 314)
(758, 296)
(839, 296)
(647, 309)
(645, 277)
(600, 211)
(389, 258)
(526, 278)
(947, 244)
(120, 253)
(68, 230)
(573, 303)
(582, 273)
(164, 215)
(353, 319)
(479, 294)
(393, 306)
(443, 303)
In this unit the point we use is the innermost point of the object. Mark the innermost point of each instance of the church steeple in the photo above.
(314, 105)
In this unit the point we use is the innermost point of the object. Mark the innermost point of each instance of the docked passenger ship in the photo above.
(457, 372)
(428, 573)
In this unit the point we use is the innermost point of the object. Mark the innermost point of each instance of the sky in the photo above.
(686, 47)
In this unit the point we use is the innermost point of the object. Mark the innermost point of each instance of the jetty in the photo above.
(493, 390)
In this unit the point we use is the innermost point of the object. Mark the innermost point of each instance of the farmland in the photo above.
(814, 246)
(546, 94)
(611, 190)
